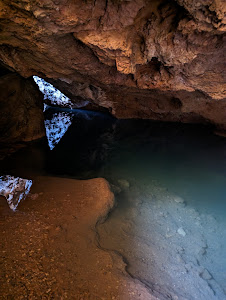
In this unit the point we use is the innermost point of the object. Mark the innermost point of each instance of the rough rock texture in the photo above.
(144, 59)
(50, 248)
(21, 106)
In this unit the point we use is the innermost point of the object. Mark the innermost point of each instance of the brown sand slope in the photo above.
(49, 247)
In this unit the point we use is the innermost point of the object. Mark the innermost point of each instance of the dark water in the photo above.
(187, 159)
(184, 160)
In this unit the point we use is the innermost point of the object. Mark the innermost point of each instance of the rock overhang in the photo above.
(133, 58)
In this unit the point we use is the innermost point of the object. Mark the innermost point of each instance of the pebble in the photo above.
(181, 231)
(205, 275)
(124, 184)
(178, 199)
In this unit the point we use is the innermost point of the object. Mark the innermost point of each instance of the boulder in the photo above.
(21, 109)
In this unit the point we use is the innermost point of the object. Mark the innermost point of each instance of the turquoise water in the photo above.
(194, 171)
(158, 162)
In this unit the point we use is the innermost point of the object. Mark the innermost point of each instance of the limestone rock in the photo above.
(181, 231)
(21, 113)
(138, 59)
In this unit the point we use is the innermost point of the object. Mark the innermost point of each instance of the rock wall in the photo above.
(21, 109)
(139, 59)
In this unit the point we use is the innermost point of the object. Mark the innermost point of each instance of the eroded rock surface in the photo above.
(143, 59)
(21, 109)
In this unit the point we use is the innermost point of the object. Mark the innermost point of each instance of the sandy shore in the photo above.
(50, 249)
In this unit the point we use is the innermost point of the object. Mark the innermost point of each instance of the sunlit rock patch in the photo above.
(45, 107)
(14, 189)
(52, 94)
(56, 127)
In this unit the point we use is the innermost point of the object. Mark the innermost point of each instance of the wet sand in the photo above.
(50, 247)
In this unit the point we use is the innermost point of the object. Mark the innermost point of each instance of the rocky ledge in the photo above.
(137, 59)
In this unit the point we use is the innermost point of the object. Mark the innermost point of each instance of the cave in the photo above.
(112, 149)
